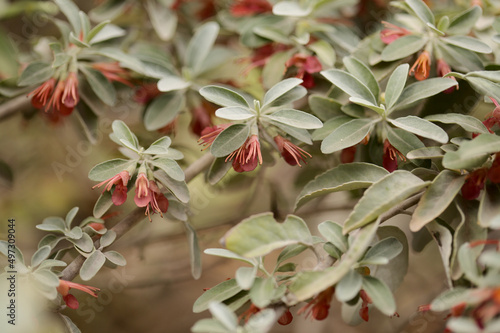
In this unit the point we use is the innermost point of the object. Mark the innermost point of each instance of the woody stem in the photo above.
(134, 217)
(16, 104)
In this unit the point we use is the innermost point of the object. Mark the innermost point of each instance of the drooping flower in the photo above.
(201, 118)
(247, 156)
(209, 134)
(41, 95)
(494, 170)
(473, 185)
(145, 93)
(319, 306)
(70, 300)
(443, 68)
(291, 153)
(147, 194)
(364, 311)
(392, 32)
(348, 154)
(120, 181)
(286, 318)
(113, 72)
(422, 66)
(70, 96)
(306, 66)
(390, 157)
(250, 7)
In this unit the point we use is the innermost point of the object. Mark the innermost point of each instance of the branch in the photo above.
(134, 217)
(14, 105)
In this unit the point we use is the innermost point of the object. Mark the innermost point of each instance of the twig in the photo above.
(134, 217)
(19, 103)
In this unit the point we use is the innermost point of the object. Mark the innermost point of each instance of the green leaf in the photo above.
(464, 22)
(274, 34)
(35, 73)
(421, 127)
(194, 251)
(395, 271)
(71, 11)
(40, 255)
(102, 204)
(347, 135)
(224, 315)
(380, 294)
(348, 287)
(363, 74)
(85, 243)
(307, 284)
(126, 61)
(171, 83)
(217, 171)
(163, 19)
(449, 298)
(52, 223)
(489, 209)
(245, 277)
(279, 90)
(437, 198)
(100, 85)
(289, 97)
(290, 251)
(403, 141)
(460, 59)
(296, 118)
(274, 69)
(395, 85)
(108, 238)
(333, 234)
(463, 325)
(92, 33)
(403, 47)
(70, 216)
(324, 107)
(235, 113)
(291, 8)
(200, 45)
(229, 140)
(382, 252)
(178, 188)
(260, 234)
(425, 153)
(382, 196)
(223, 96)
(484, 86)
(106, 170)
(467, 260)
(219, 293)
(92, 265)
(159, 147)
(344, 177)
(423, 12)
(261, 293)
(109, 31)
(473, 153)
(208, 325)
(467, 122)
(116, 258)
(163, 110)
(329, 126)
(350, 85)
(423, 89)
(468, 43)
(170, 167)
(324, 51)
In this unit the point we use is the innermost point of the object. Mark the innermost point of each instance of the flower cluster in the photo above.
(57, 96)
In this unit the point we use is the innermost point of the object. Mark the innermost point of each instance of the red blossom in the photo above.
(348, 154)
(422, 67)
(286, 318)
(201, 119)
(474, 184)
(145, 93)
(70, 300)
(364, 311)
(250, 7)
(291, 153)
(247, 156)
(147, 194)
(392, 32)
(209, 134)
(318, 307)
(40, 96)
(113, 72)
(494, 170)
(70, 95)
(120, 181)
(306, 66)
(390, 157)
(249, 313)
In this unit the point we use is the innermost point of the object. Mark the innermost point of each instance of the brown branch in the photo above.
(134, 217)
(14, 105)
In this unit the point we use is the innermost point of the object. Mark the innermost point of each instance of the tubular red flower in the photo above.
(145, 93)
(286, 318)
(291, 153)
(70, 95)
(364, 311)
(473, 184)
(120, 181)
(319, 306)
(209, 134)
(443, 68)
(422, 67)
(392, 32)
(250, 7)
(390, 157)
(142, 193)
(200, 120)
(306, 66)
(70, 300)
(247, 156)
(113, 72)
(40, 96)
(147, 194)
(494, 170)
